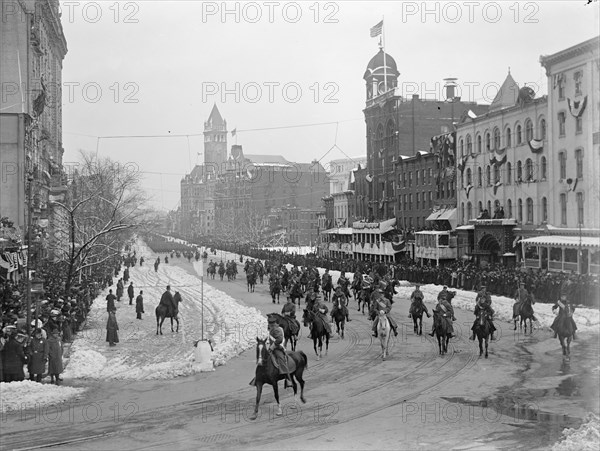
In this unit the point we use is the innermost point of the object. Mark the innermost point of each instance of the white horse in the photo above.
(384, 332)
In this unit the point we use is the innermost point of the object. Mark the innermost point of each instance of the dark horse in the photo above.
(524, 310)
(483, 330)
(267, 373)
(441, 329)
(363, 296)
(565, 328)
(318, 331)
(251, 281)
(327, 287)
(417, 316)
(275, 289)
(288, 335)
(161, 314)
(338, 316)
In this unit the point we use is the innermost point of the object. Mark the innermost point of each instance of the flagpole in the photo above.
(383, 48)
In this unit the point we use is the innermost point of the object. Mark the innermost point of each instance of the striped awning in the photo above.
(586, 242)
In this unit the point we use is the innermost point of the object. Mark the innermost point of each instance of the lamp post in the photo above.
(29, 232)
(37, 288)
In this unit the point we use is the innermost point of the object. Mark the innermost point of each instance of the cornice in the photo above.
(589, 46)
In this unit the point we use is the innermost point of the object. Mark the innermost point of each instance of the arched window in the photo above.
(489, 206)
(508, 173)
(496, 174)
(479, 177)
(461, 146)
(478, 143)
(543, 168)
(528, 130)
(520, 210)
(518, 136)
(529, 210)
(469, 144)
(508, 137)
(543, 129)
(390, 134)
(462, 179)
(519, 171)
(544, 209)
(462, 212)
(529, 170)
(469, 177)
(509, 208)
(469, 211)
(488, 175)
(496, 138)
(480, 205)
(488, 141)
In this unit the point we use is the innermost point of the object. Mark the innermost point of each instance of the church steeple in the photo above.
(215, 140)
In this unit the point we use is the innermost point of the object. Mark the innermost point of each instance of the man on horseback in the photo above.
(276, 347)
(344, 282)
(564, 314)
(483, 302)
(522, 296)
(378, 302)
(340, 299)
(289, 313)
(320, 310)
(443, 309)
(416, 299)
(168, 301)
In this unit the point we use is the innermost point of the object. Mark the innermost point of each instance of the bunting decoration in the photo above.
(497, 162)
(576, 108)
(501, 151)
(9, 261)
(469, 188)
(462, 164)
(574, 182)
(24, 258)
(398, 245)
(536, 145)
(40, 101)
(471, 114)
(516, 241)
(369, 178)
(497, 185)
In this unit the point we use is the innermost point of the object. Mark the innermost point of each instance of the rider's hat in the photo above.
(272, 320)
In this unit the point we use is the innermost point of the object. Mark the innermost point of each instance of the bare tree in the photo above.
(105, 204)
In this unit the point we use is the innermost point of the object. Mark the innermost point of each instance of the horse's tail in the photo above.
(305, 358)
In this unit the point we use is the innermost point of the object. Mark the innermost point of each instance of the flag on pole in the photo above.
(233, 132)
(377, 29)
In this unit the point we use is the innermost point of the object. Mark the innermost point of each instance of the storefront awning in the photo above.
(447, 214)
(586, 242)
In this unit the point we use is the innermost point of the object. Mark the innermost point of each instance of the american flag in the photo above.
(377, 29)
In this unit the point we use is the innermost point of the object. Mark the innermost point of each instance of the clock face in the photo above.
(381, 87)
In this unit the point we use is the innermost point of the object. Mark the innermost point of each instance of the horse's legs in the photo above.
(301, 381)
(486, 347)
(480, 346)
(315, 340)
(276, 393)
(439, 339)
(326, 344)
(172, 324)
(259, 387)
(421, 324)
(162, 320)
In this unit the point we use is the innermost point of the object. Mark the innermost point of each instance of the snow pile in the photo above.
(27, 395)
(84, 362)
(587, 437)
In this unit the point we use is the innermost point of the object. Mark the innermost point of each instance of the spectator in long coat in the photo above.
(55, 351)
(130, 293)
(14, 358)
(110, 301)
(119, 289)
(112, 327)
(139, 305)
(38, 356)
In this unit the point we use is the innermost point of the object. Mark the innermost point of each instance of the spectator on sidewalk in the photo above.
(55, 352)
(139, 305)
(130, 293)
(112, 335)
(37, 351)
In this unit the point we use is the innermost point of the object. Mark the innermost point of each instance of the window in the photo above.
(496, 138)
(418, 198)
(563, 209)
(508, 173)
(528, 130)
(417, 178)
(529, 210)
(529, 170)
(496, 174)
(543, 129)
(579, 197)
(469, 211)
(508, 137)
(430, 199)
(479, 177)
(544, 209)
(509, 208)
(461, 146)
(469, 177)
(479, 143)
(520, 211)
(561, 88)
(543, 168)
(410, 178)
(579, 124)
(579, 162)
(562, 164)
(480, 205)
(561, 123)
(488, 175)
(462, 179)
(519, 138)
(519, 172)
(430, 175)
(578, 77)
(469, 144)
(410, 200)
(489, 206)
(488, 143)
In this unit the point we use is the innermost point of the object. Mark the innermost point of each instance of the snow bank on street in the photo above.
(586, 437)
(141, 354)
(28, 395)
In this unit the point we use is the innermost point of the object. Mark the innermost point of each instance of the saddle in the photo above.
(291, 364)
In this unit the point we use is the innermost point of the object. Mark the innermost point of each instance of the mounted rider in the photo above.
(311, 297)
(344, 283)
(289, 313)
(444, 310)
(416, 299)
(564, 314)
(326, 279)
(340, 299)
(276, 348)
(379, 302)
(168, 301)
(521, 297)
(320, 310)
(483, 302)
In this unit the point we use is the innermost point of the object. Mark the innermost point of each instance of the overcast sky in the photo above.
(157, 67)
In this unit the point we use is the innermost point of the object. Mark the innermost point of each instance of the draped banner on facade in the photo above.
(576, 108)
(536, 145)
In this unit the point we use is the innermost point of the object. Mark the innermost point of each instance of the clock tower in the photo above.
(215, 141)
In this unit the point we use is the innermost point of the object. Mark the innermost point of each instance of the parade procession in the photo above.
(402, 252)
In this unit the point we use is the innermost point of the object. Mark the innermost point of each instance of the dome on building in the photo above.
(375, 66)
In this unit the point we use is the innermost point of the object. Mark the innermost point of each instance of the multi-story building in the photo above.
(569, 239)
(33, 48)
(340, 172)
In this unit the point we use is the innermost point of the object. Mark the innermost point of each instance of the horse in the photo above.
(384, 332)
(296, 293)
(327, 288)
(564, 329)
(318, 331)
(441, 330)
(524, 310)
(483, 331)
(356, 286)
(339, 317)
(221, 271)
(417, 316)
(261, 274)
(363, 297)
(210, 271)
(251, 281)
(267, 373)
(290, 337)
(161, 313)
(275, 290)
